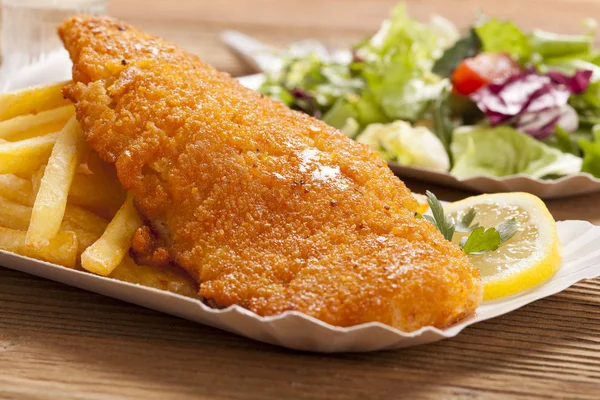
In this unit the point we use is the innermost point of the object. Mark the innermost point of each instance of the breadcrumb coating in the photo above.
(265, 207)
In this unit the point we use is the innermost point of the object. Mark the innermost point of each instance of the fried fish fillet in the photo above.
(265, 207)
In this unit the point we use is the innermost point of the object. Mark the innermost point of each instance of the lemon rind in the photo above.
(529, 272)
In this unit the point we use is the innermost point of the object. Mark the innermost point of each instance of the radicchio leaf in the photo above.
(533, 103)
(306, 102)
(543, 123)
(576, 83)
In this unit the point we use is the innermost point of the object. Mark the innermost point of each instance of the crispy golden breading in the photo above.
(266, 207)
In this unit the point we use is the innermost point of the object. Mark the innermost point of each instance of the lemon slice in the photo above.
(529, 258)
(423, 204)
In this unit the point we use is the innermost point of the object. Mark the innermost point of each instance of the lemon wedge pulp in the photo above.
(421, 199)
(529, 258)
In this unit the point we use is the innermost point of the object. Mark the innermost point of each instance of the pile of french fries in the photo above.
(58, 201)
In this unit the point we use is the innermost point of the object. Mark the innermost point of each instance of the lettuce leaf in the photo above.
(591, 153)
(565, 141)
(466, 47)
(552, 45)
(339, 114)
(396, 65)
(311, 84)
(501, 151)
(388, 77)
(587, 105)
(504, 37)
(363, 109)
(443, 124)
(408, 145)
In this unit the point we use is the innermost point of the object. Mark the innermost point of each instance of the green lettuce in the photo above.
(565, 141)
(363, 109)
(396, 65)
(538, 46)
(311, 84)
(501, 151)
(468, 46)
(399, 141)
(591, 153)
(554, 45)
(504, 37)
(587, 105)
(390, 76)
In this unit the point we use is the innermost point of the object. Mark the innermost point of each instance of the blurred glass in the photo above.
(28, 30)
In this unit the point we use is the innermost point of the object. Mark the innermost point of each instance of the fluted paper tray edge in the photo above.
(581, 260)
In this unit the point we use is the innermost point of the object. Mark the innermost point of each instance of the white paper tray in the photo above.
(581, 260)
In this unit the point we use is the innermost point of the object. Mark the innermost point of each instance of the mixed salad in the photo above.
(494, 101)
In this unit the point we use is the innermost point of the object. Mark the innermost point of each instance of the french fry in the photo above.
(61, 250)
(92, 192)
(25, 157)
(85, 238)
(103, 175)
(36, 180)
(164, 278)
(105, 254)
(104, 171)
(36, 124)
(87, 191)
(38, 131)
(14, 215)
(32, 100)
(87, 227)
(51, 200)
(16, 189)
(79, 218)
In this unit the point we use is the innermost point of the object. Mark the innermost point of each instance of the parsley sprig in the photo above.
(480, 239)
(439, 219)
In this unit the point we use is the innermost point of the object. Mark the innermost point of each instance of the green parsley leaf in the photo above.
(468, 218)
(432, 220)
(439, 218)
(482, 240)
(507, 229)
(465, 223)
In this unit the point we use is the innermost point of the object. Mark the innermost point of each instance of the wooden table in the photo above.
(57, 342)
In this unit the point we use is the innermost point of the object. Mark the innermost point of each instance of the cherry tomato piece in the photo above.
(474, 73)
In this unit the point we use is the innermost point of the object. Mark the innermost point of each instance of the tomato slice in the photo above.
(474, 73)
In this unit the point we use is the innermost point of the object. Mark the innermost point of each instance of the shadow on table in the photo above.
(541, 348)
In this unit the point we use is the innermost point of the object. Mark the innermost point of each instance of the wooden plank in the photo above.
(356, 14)
(57, 340)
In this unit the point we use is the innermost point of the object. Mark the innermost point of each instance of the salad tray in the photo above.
(571, 185)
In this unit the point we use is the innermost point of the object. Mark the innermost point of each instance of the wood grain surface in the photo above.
(57, 342)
